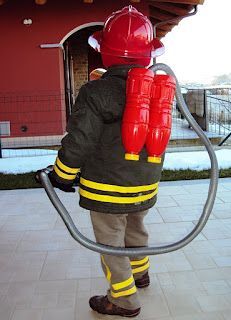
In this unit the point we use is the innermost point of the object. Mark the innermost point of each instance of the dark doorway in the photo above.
(79, 60)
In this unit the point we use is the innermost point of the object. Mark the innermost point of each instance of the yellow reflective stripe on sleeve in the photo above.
(66, 168)
(123, 293)
(123, 284)
(139, 262)
(112, 199)
(108, 275)
(64, 175)
(115, 188)
(140, 269)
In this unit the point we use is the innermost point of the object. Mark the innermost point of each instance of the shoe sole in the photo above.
(113, 314)
(143, 286)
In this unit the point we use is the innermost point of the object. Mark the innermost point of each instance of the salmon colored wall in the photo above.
(29, 71)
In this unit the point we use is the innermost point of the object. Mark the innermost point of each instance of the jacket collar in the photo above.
(120, 70)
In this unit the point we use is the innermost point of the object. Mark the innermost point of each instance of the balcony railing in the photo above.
(38, 121)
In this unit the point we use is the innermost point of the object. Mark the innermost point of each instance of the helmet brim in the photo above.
(157, 48)
(95, 40)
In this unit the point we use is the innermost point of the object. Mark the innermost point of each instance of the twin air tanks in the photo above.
(147, 115)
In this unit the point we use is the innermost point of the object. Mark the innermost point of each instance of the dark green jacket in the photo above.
(108, 183)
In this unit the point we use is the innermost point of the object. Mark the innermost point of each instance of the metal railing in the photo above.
(211, 108)
(36, 122)
(31, 121)
(219, 110)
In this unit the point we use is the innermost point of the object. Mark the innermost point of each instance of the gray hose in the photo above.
(130, 252)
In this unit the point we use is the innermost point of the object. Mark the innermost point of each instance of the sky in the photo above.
(199, 48)
(31, 160)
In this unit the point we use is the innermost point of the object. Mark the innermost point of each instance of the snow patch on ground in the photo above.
(197, 160)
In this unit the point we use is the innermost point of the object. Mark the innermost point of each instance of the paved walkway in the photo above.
(46, 275)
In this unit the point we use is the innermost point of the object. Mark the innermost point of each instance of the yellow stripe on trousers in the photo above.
(139, 262)
(140, 269)
(108, 275)
(123, 293)
(123, 284)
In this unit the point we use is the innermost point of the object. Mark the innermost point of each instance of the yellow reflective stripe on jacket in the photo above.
(66, 168)
(123, 293)
(64, 175)
(108, 276)
(115, 188)
(139, 262)
(123, 284)
(140, 269)
(112, 199)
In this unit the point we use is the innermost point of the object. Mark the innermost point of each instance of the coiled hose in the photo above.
(143, 251)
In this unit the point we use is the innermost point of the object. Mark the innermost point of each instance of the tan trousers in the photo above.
(122, 230)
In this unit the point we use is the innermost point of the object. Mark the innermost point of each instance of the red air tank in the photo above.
(160, 118)
(136, 112)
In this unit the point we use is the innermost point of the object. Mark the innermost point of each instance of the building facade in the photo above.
(45, 58)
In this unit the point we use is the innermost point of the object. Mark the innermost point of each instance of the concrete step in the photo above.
(192, 141)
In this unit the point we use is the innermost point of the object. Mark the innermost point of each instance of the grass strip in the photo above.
(26, 180)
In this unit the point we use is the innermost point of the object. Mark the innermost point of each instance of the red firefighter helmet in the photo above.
(127, 37)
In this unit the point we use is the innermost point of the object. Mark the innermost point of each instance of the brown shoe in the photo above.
(143, 282)
(102, 305)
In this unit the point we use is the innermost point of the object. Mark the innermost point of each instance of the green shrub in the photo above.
(26, 180)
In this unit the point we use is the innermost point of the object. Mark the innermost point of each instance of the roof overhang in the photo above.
(165, 15)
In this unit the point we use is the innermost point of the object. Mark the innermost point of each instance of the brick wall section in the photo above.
(80, 64)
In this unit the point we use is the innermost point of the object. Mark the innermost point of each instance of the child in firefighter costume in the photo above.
(119, 180)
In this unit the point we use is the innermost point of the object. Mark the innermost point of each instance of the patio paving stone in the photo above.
(46, 275)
